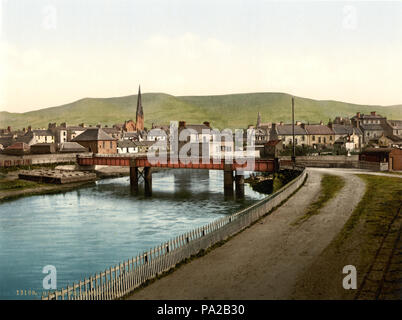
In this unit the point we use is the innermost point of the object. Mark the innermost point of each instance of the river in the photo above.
(89, 229)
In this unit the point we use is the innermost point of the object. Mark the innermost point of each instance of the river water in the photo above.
(94, 227)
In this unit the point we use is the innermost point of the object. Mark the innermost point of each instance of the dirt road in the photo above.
(264, 261)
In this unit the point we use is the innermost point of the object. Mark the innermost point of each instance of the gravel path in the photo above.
(264, 261)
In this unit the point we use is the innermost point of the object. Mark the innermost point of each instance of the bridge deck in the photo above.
(262, 165)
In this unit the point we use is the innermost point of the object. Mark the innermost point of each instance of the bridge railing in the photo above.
(120, 280)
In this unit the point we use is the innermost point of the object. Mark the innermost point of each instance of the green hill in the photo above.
(223, 111)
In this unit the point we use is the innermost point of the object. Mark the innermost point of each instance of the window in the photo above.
(330, 138)
(319, 139)
(313, 138)
(111, 145)
(104, 145)
(325, 140)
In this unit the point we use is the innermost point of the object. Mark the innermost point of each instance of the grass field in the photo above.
(223, 111)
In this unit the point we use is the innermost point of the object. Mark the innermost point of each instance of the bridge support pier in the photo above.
(228, 180)
(239, 183)
(134, 179)
(148, 181)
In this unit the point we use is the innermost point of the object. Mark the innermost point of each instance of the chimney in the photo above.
(330, 125)
(82, 125)
(281, 123)
(99, 125)
(321, 123)
(373, 113)
(24, 130)
(63, 125)
(303, 125)
(8, 129)
(182, 124)
(358, 114)
(206, 123)
(29, 128)
(298, 123)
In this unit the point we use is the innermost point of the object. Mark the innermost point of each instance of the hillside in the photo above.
(223, 111)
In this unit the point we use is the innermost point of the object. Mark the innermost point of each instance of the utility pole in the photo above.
(293, 132)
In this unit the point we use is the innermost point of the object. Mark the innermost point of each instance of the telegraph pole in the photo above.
(293, 132)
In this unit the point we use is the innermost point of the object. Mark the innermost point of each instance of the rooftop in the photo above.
(93, 134)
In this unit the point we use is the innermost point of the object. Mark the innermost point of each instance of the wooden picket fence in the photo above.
(123, 278)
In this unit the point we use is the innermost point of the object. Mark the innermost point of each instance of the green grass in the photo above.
(223, 111)
(330, 186)
(12, 185)
(381, 201)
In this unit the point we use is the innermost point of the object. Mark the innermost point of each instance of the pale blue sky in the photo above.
(54, 52)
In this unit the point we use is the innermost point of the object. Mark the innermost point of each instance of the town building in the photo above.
(284, 132)
(394, 128)
(347, 136)
(372, 125)
(273, 148)
(18, 148)
(97, 141)
(319, 135)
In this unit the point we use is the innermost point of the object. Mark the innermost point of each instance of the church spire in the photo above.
(140, 112)
(258, 120)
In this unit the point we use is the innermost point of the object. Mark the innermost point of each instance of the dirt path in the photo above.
(264, 261)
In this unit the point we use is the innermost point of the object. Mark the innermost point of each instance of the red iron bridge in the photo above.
(140, 165)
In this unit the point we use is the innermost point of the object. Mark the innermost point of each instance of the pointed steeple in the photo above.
(258, 120)
(140, 112)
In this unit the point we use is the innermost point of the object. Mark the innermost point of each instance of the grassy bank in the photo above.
(330, 186)
(381, 201)
(10, 185)
(367, 241)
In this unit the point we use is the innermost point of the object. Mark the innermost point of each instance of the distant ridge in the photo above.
(223, 111)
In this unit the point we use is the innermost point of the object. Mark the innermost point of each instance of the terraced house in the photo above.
(319, 135)
(347, 136)
(284, 132)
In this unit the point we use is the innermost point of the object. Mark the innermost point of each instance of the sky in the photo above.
(54, 52)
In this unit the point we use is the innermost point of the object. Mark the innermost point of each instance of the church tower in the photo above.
(140, 112)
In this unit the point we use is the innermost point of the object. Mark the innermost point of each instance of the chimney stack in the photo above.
(373, 113)
(8, 129)
(358, 114)
(182, 124)
(206, 123)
